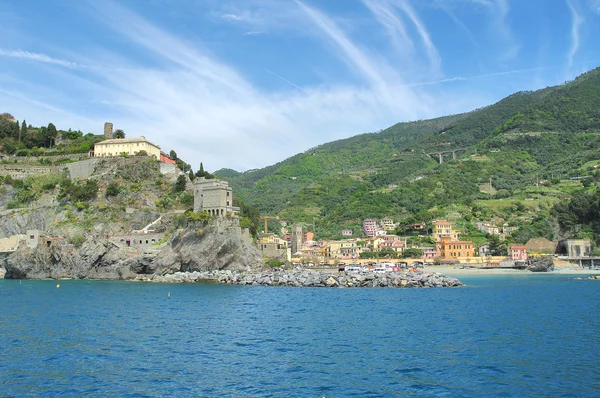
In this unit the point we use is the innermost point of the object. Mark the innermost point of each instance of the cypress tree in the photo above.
(23, 131)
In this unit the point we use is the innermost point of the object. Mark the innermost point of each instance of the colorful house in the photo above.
(517, 252)
(454, 249)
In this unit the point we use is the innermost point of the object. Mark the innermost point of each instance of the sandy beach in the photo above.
(457, 271)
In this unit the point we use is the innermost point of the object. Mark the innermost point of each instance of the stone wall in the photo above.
(17, 171)
(83, 169)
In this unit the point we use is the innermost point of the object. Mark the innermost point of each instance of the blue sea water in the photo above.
(499, 336)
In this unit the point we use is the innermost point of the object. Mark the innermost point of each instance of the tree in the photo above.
(23, 131)
(497, 248)
(191, 175)
(180, 184)
(119, 134)
(173, 155)
(51, 134)
(412, 253)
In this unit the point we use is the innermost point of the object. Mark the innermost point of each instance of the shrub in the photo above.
(186, 199)
(112, 189)
(275, 263)
(77, 240)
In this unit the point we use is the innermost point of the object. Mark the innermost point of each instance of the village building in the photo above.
(453, 250)
(346, 232)
(214, 197)
(578, 247)
(343, 250)
(428, 252)
(442, 228)
(518, 252)
(272, 246)
(487, 228)
(370, 227)
(125, 146)
(387, 224)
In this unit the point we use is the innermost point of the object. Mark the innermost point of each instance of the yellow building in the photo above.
(442, 228)
(129, 146)
(272, 238)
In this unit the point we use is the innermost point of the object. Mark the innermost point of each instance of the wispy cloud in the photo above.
(432, 52)
(350, 52)
(231, 17)
(385, 12)
(461, 78)
(576, 21)
(37, 57)
(392, 23)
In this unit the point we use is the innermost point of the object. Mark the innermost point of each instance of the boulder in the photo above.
(541, 264)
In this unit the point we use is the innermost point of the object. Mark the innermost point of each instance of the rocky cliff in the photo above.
(215, 247)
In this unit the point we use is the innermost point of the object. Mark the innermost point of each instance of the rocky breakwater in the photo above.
(320, 279)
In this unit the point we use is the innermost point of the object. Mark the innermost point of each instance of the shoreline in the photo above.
(452, 271)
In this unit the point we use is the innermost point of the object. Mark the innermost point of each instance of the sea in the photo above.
(498, 336)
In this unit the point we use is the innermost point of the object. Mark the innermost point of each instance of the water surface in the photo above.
(500, 336)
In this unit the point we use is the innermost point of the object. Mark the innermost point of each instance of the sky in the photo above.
(244, 84)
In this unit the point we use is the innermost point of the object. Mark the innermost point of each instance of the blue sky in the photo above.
(246, 83)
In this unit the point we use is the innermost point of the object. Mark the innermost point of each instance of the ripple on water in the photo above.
(498, 337)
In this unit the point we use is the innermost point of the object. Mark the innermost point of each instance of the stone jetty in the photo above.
(305, 278)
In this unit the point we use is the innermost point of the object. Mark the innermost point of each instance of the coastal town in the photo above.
(380, 245)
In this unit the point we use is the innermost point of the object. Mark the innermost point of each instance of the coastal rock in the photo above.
(2, 272)
(213, 248)
(541, 264)
(217, 247)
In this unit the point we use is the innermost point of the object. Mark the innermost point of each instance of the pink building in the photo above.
(428, 252)
(518, 253)
(370, 227)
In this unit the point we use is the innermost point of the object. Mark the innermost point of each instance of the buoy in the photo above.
(57, 285)
(169, 294)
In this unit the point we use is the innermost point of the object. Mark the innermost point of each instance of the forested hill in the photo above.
(529, 136)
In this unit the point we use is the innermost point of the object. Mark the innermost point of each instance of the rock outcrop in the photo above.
(214, 247)
(218, 246)
(541, 264)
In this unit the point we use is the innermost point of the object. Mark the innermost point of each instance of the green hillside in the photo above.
(529, 145)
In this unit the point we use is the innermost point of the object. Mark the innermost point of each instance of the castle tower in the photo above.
(108, 130)
(296, 237)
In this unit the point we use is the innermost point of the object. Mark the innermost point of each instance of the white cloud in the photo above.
(37, 57)
(189, 100)
(576, 21)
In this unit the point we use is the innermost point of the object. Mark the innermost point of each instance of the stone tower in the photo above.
(108, 130)
(296, 238)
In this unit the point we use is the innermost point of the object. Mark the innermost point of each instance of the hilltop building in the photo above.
(214, 197)
(127, 146)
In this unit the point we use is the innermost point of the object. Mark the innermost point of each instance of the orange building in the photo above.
(164, 158)
(450, 249)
